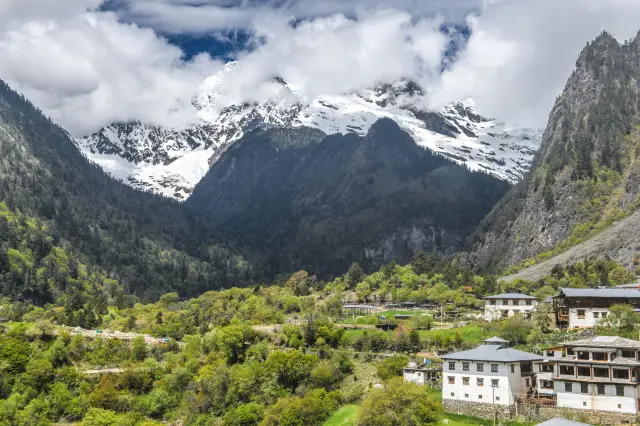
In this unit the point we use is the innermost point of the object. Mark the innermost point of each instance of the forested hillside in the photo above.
(53, 197)
(309, 201)
(586, 174)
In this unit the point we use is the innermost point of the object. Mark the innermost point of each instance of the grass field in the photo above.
(471, 333)
(345, 416)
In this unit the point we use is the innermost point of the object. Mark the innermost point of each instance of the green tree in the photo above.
(420, 263)
(139, 348)
(131, 322)
(621, 319)
(391, 367)
(244, 415)
(398, 404)
(354, 275)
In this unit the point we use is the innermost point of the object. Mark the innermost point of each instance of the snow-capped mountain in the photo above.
(172, 162)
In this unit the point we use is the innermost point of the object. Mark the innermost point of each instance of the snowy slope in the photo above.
(171, 162)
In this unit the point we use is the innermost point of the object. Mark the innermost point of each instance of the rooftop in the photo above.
(559, 421)
(511, 296)
(490, 351)
(603, 342)
(609, 293)
(354, 306)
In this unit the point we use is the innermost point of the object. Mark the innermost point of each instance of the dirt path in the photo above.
(110, 334)
(618, 241)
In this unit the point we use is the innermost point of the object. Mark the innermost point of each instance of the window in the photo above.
(619, 405)
(584, 403)
(480, 366)
(600, 389)
(465, 381)
(452, 380)
(493, 302)
(569, 351)
(513, 368)
(581, 314)
(479, 396)
(584, 388)
(604, 314)
(620, 374)
(480, 382)
(452, 366)
(629, 354)
(584, 371)
(452, 394)
(567, 370)
(527, 383)
(619, 390)
(494, 368)
(546, 368)
(550, 353)
(466, 395)
(494, 383)
(546, 384)
(497, 398)
(528, 302)
(598, 356)
(465, 366)
(505, 314)
(600, 372)
(568, 387)
(596, 314)
(583, 356)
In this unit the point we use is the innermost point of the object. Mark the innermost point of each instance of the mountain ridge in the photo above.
(171, 162)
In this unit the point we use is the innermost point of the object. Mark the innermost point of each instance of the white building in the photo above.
(601, 373)
(584, 307)
(508, 304)
(492, 373)
(420, 374)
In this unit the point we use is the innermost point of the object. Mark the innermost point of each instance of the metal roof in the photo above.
(493, 353)
(603, 342)
(511, 296)
(495, 339)
(634, 285)
(358, 307)
(559, 421)
(609, 293)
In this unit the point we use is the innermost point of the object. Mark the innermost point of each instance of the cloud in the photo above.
(334, 55)
(521, 53)
(187, 16)
(87, 70)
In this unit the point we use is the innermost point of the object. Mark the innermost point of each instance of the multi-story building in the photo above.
(601, 373)
(584, 307)
(508, 304)
(492, 373)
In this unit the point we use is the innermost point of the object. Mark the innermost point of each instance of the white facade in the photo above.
(484, 381)
(497, 307)
(596, 396)
(586, 317)
(601, 373)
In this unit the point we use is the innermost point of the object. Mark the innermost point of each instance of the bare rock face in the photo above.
(585, 174)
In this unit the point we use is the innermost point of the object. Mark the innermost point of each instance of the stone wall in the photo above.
(535, 413)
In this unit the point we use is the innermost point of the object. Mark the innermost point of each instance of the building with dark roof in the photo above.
(492, 373)
(584, 307)
(508, 304)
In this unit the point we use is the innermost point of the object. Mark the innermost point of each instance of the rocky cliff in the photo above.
(585, 175)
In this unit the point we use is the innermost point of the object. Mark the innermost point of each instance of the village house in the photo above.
(584, 307)
(508, 304)
(421, 373)
(492, 373)
(600, 373)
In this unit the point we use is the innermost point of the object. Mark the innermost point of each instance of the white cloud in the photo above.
(181, 16)
(335, 55)
(87, 70)
(522, 52)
